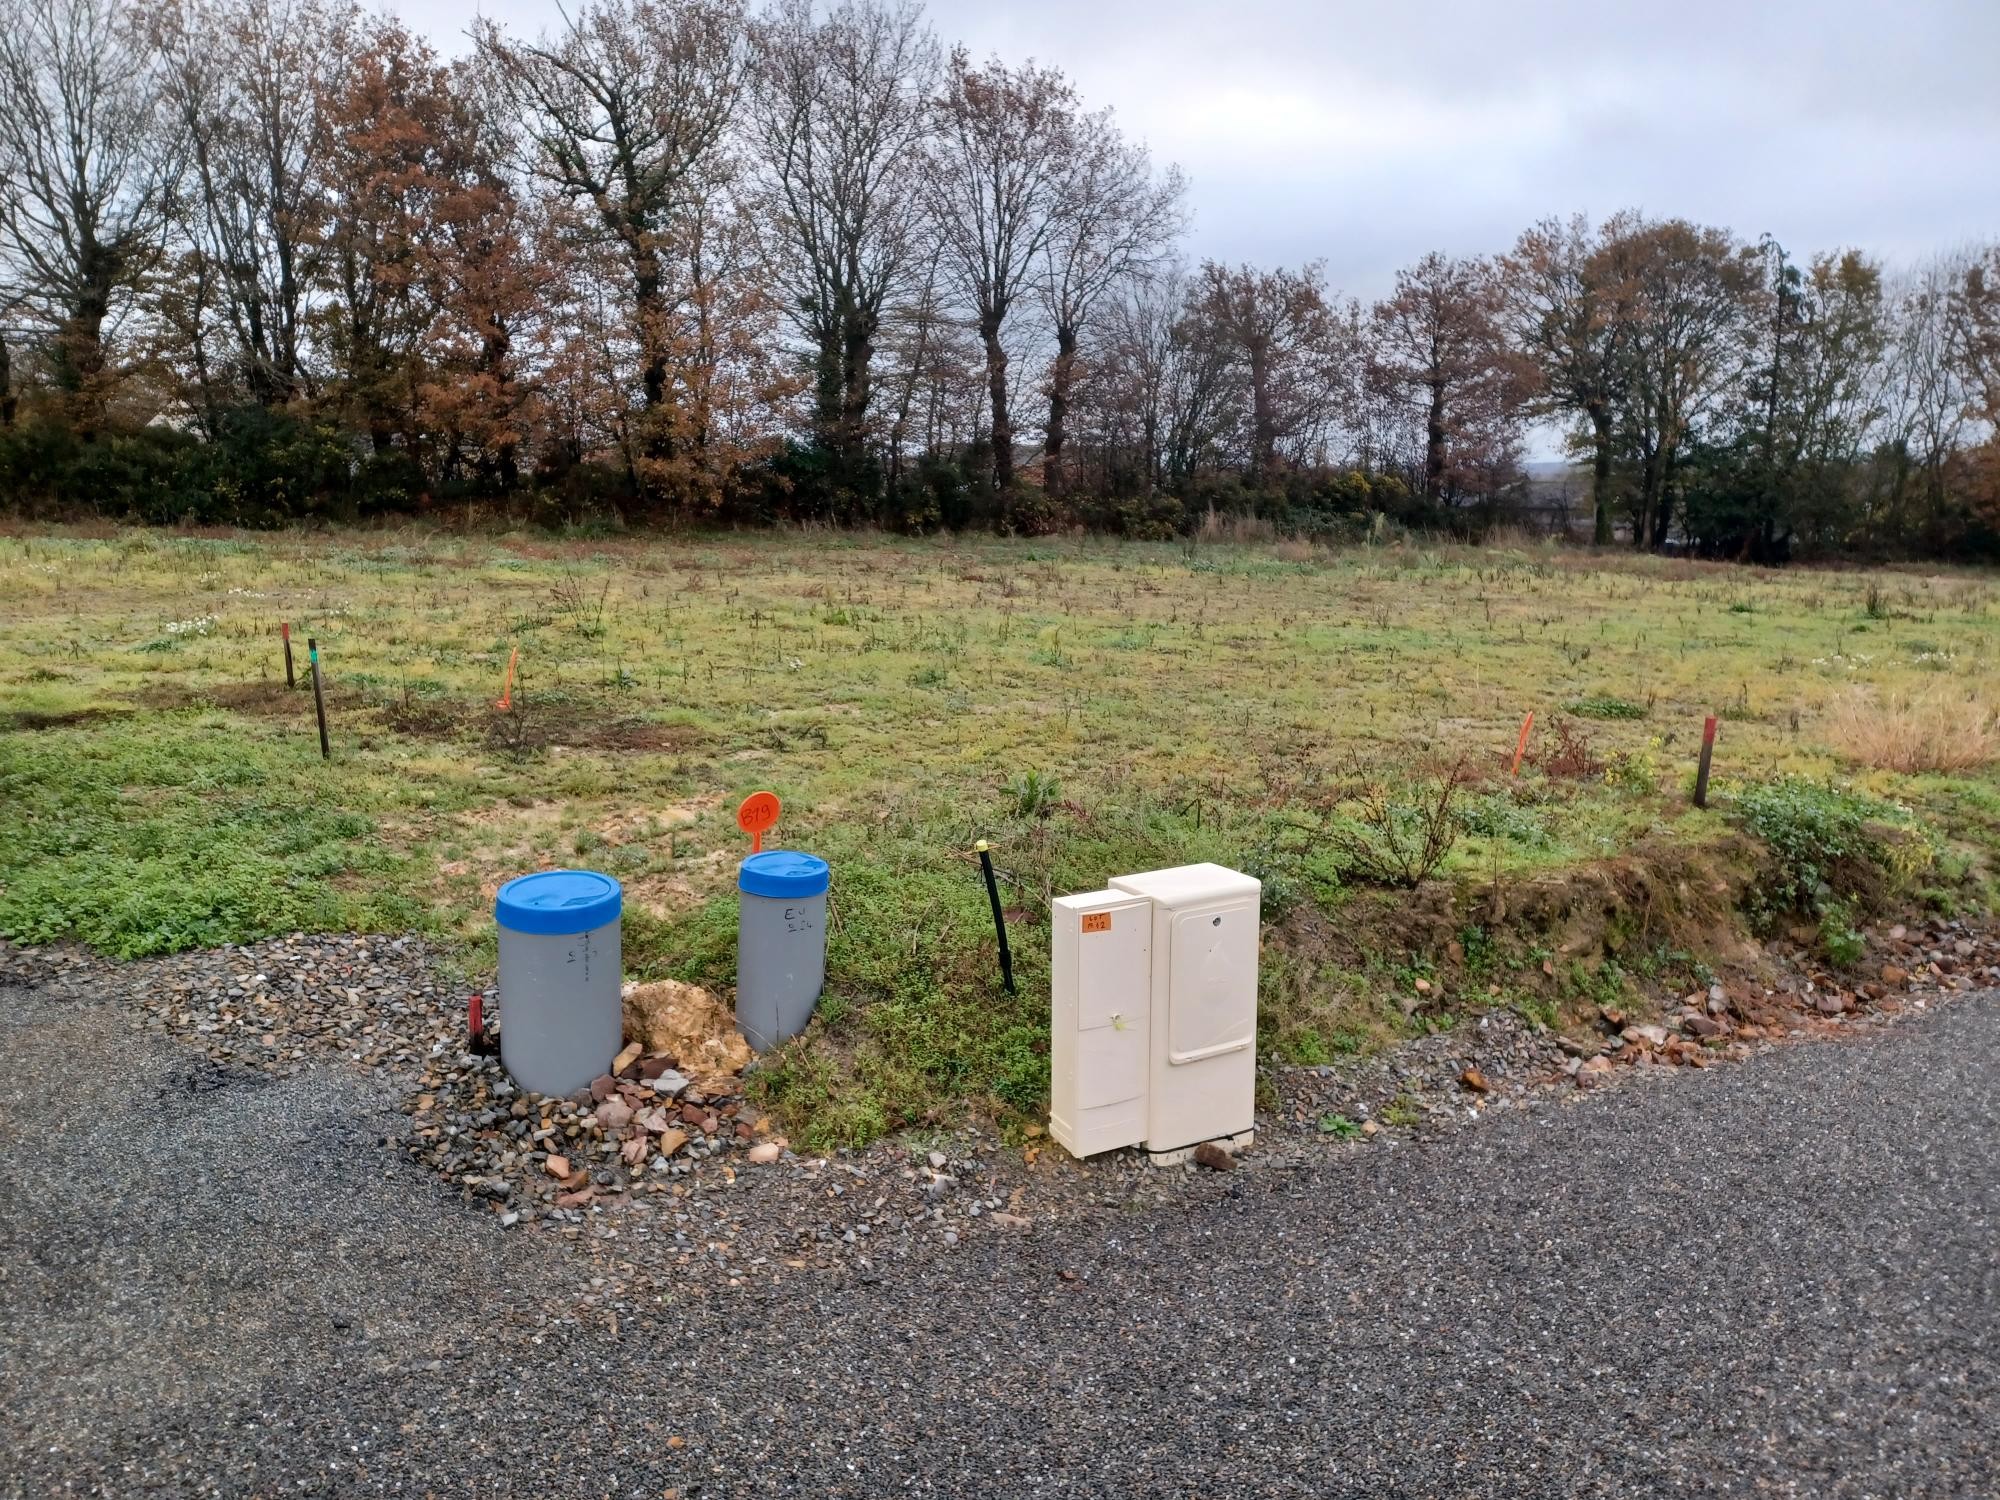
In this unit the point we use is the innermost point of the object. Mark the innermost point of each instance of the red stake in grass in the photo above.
(1521, 745)
(506, 698)
(1707, 754)
(475, 1022)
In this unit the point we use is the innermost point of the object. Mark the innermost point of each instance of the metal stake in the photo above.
(999, 920)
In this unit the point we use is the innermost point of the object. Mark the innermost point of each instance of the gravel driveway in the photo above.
(1774, 1279)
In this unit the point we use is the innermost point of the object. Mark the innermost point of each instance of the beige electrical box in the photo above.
(1101, 996)
(1201, 1071)
(1153, 1001)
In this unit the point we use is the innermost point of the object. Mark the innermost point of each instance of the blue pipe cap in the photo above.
(558, 903)
(785, 874)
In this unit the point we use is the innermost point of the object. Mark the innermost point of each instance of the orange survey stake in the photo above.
(757, 816)
(506, 698)
(1521, 746)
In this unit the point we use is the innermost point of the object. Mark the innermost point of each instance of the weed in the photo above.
(1838, 939)
(1572, 758)
(574, 600)
(1399, 833)
(1497, 815)
(1341, 1126)
(1031, 794)
(1636, 771)
(1400, 1111)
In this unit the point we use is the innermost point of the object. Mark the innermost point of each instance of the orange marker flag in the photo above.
(1521, 746)
(758, 816)
(506, 698)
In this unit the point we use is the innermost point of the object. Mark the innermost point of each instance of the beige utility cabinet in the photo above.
(1154, 1011)
(1100, 986)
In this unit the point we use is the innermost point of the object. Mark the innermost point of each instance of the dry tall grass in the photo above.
(1944, 729)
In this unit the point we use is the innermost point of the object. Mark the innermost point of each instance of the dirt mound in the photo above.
(690, 1025)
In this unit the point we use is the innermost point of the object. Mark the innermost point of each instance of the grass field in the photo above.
(1093, 707)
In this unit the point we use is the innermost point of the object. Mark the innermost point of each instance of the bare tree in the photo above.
(1924, 394)
(246, 79)
(839, 108)
(1113, 219)
(1293, 349)
(1567, 312)
(88, 163)
(1692, 290)
(1004, 137)
(626, 114)
(1436, 349)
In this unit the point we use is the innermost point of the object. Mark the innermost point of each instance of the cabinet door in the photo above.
(1114, 968)
(1110, 1065)
(1212, 990)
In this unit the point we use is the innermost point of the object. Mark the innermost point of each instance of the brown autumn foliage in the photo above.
(767, 258)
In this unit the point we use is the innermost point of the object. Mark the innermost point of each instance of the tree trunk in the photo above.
(1642, 520)
(1659, 503)
(1062, 375)
(1434, 445)
(829, 389)
(80, 343)
(6, 386)
(857, 356)
(1003, 429)
(1600, 475)
(652, 322)
(1263, 421)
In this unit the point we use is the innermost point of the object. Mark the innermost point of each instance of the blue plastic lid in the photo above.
(558, 902)
(784, 873)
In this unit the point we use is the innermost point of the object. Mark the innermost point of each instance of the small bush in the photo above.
(1820, 840)
(1399, 833)
(1636, 771)
(1572, 758)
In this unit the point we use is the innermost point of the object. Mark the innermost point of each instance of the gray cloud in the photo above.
(1368, 134)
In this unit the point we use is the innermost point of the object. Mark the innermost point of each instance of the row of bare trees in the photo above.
(685, 257)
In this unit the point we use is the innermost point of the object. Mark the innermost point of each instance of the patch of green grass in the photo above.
(141, 839)
(1604, 706)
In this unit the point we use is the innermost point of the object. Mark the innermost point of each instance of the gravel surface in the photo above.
(1776, 1279)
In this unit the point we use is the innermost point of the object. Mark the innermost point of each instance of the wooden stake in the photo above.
(285, 630)
(319, 698)
(1521, 745)
(1707, 754)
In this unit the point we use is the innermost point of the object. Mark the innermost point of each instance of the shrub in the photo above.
(1572, 758)
(1634, 770)
(1399, 833)
(1822, 845)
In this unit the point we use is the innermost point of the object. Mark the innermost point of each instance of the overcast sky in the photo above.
(1366, 134)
